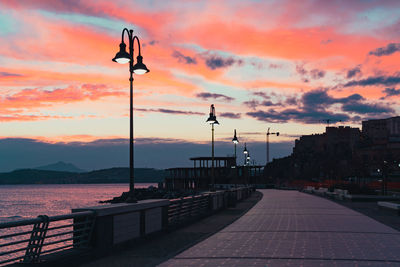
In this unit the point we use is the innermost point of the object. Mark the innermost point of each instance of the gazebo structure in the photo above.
(200, 176)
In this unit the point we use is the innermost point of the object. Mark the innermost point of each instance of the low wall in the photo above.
(340, 194)
(119, 223)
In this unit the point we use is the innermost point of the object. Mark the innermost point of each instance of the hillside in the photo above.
(60, 166)
(113, 175)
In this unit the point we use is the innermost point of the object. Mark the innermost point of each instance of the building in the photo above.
(380, 147)
(382, 131)
(344, 152)
(327, 155)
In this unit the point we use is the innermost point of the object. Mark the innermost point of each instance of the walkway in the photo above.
(289, 228)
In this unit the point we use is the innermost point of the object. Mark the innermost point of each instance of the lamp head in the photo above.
(140, 68)
(277, 134)
(235, 139)
(212, 119)
(122, 56)
(245, 149)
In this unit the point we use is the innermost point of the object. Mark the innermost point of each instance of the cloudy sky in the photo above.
(288, 65)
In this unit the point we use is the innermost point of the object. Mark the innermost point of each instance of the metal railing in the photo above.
(184, 209)
(190, 208)
(27, 240)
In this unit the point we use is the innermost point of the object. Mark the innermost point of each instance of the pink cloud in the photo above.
(31, 99)
(19, 117)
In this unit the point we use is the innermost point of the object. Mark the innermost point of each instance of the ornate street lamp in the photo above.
(267, 141)
(139, 68)
(212, 119)
(235, 140)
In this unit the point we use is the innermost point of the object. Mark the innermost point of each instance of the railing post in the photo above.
(165, 217)
(83, 232)
(35, 244)
(180, 211)
(193, 207)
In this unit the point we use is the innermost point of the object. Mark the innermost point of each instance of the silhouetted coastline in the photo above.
(112, 175)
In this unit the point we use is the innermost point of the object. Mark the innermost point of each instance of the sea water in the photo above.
(28, 201)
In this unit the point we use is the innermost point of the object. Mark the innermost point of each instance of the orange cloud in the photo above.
(36, 97)
(18, 117)
(286, 43)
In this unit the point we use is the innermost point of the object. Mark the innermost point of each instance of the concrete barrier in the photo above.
(122, 222)
(390, 205)
(118, 223)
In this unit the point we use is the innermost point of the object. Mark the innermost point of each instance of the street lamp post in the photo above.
(212, 119)
(267, 141)
(139, 68)
(235, 140)
(384, 177)
(245, 152)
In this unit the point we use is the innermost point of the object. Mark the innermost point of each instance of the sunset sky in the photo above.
(288, 65)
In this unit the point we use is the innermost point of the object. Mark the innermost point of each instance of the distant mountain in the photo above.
(60, 167)
(32, 176)
(113, 175)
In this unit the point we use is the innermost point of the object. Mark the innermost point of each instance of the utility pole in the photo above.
(329, 121)
(267, 141)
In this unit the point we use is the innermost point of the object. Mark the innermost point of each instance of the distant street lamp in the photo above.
(245, 152)
(267, 141)
(139, 68)
(384, 177)
(235, 141)
(212, 119)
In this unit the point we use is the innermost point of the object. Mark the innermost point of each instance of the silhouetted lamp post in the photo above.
(384, 177)
(212, 119)
(235, 141)
(245, 152)
(267, 141)
(123, 57)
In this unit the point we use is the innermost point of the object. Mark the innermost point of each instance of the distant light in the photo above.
(212, 121)
(140, 71)
(122, 60)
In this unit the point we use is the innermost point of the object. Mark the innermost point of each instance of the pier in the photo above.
(284, 228)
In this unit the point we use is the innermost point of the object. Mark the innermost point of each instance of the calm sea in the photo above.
(27, 201)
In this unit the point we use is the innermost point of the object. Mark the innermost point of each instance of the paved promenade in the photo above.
(289, 228)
